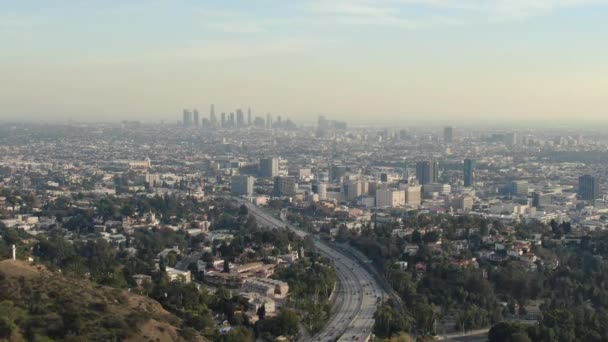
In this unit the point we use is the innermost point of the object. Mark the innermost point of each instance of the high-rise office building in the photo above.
(231, 121)
(320, 188)
(249, 119)
(540, 200)
(432, 189)
(285, 186)
(212, 118)
(510, 138)
(336, 172)
(269, 167)
(463, 202)
(427, 172)
(519, 188)
(259, 122)
(340, 124)
(448, 134)
(196, 118)
(268, 121)
(187, 120)
(240, 119)
(588, 188)
(323, 122)
(390, 198)
(242, 185)
(469, 172)
(223, 120)
(406, 173)
(413, 195)
(353, 188)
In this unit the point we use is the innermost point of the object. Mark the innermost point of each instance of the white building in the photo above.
(175, 274)
(256, 302)
(429, 190)
(413, 195)
(267, 287)
(322, 191)
(464, 203)
(390, 198)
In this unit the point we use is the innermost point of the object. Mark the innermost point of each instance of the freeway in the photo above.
(358, 291)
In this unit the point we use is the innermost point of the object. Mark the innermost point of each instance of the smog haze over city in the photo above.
(307, 171)
(381, 61)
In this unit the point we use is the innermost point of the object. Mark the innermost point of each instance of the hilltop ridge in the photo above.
(36, 303)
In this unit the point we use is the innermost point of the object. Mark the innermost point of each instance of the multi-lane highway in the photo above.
(358, 292)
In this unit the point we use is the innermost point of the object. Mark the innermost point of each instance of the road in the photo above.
(479, 335)
(358, 292)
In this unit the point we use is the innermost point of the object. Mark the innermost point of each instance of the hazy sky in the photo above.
(391, 60)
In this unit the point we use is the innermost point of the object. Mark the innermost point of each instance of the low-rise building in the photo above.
(178, 275)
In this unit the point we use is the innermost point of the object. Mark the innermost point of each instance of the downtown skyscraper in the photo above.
(427, 172)
(212, 118)
(588, 188)
(448, 134)
(187, 118)
(196, 118)
(240, 119)
(469, 172)
(269, 167)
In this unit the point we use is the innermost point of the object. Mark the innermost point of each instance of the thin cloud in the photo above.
(213, 51)
(501, 9)
(351, 8)
(15, 22)
(377, 13)
(235, 27)
(397, 13)
(231, 21)
(529, 8)
(242, 49)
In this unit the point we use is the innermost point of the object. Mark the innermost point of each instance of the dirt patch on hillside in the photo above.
(19, 268)
(154, 330)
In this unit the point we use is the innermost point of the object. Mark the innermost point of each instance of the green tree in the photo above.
(389, 321)
(239, 334)
(284, 324)
(416, 237)
(505, 331)
(171, 259)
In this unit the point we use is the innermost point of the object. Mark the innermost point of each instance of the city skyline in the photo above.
(304, 170)
(260, 214)
(395, 60)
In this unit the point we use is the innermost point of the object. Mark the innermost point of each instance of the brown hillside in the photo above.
(74, 309)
